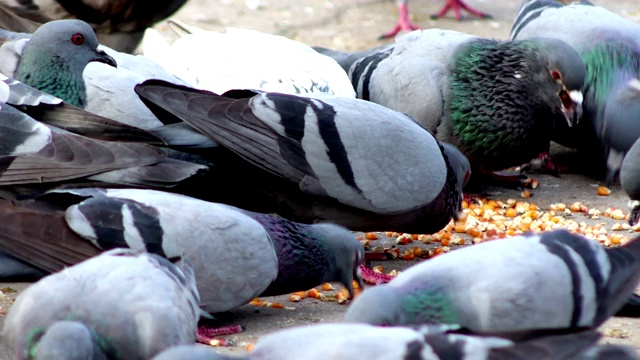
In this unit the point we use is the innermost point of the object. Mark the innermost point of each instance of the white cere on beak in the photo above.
(634, 84)
(576, 96)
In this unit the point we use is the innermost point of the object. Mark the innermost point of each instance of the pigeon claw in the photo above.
(209, 335)
(634, 215)
(404, 24)
(457, 6)
(372, 277)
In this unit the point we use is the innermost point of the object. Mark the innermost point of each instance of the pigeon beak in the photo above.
(634, 214)
(103, 57)
(347, 281)
(571, 106)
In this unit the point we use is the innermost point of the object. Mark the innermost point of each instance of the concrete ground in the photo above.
(354, 25)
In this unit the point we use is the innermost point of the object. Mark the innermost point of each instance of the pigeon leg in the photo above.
(373, 277)
(543, 164)
(208, 335)
(404, 23)
(457, 6)
(505, 180)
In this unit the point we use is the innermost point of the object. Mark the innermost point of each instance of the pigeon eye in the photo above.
(77, 39)
(555, 74)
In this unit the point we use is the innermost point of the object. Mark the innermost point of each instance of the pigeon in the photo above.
(56, 150)
(630, 180)
(236, 255)
(108, 91)
(362, 341)
(45, 66)
(120, 24)
(446, 80)
(223, 61)
(585, 282)
(621, 126)
(608, 44)
(405, 24)
(120, 304)
(337, 159)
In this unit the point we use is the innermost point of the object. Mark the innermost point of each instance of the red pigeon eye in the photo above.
(555, 74)
(77, 39)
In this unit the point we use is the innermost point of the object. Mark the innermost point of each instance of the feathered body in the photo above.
(585, 282)
(495, 100)
(610, 49)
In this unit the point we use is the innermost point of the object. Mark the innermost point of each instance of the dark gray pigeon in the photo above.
(337, 159)
(446, 80)
(621, 126)
(609, 44)
(236, 255)
(360, 341)
(120, 24)
(630, 180)
(506, 286)
(118, 305)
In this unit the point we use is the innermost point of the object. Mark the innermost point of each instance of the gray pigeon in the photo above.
(47, 65)
(119, 305)
(94, 86)
(630, 180)
(236, 255)
(120, 24)
(34, 153)
(360, 341)
(446, 80)
(506, 286)
(609, 45)
(342, 160)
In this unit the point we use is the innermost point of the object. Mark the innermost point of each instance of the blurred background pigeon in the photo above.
(609, 46)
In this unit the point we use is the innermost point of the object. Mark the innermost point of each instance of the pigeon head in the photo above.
(459, 163)
(563, 78)
(55, 57)
(378, 305)
(347, 251)
(63, 340)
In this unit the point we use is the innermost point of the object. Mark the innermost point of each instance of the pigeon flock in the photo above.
(146, 194)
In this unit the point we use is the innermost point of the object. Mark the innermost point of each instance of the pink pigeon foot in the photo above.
(208, 335)
(457, 6)
(404, 23)
(372, 277)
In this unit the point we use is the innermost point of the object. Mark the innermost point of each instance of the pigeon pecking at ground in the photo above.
(609, 45)
(236, 255)
(405, 24)
(334, 158)
(361, 341)
(630, 180)
(446, 80)
(506, 287)
(120, 24)
(118, 305)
